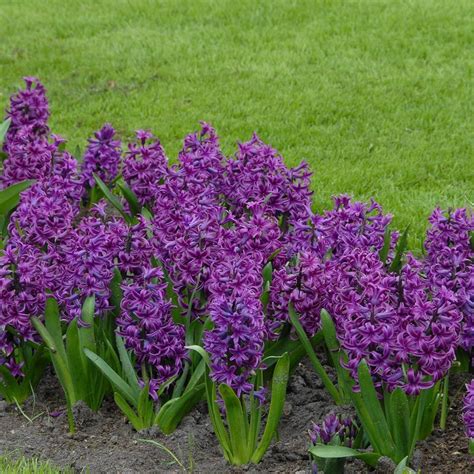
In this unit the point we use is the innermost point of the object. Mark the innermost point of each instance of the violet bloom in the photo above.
(102, 157)
(28, 157)
(87, 260)
(468, 410)
(334, 429)
(145, 166)
(235, 344)
(44, 214)
(28, 109)
(148, 329)
(450, 263)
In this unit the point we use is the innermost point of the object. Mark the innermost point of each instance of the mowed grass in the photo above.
(376, 95)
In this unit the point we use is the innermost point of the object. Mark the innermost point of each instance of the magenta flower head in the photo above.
(332, 427)
(28, 157)
(102, 157)
(235, 344)
(145, 166)
(148, 329)
(28, 108)
(450, 263)
(468, 410)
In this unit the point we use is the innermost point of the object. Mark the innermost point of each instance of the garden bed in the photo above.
(104, 441)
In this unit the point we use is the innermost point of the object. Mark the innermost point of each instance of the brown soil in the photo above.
(105, 443)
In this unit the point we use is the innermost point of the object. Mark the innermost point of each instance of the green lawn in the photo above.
(28, 466)
(376, 95)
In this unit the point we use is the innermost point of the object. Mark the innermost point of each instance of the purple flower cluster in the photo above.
(334, 429)
(145, 166)
(146, 325)
(217, 222)
(450, 264)
(102, 157)
(468, 410)
(28, 110)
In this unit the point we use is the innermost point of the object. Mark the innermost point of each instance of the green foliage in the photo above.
(79, 378)
(134, 400)
(239, 435)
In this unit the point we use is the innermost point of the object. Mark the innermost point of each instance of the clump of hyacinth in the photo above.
(235, 344)
(43, 215)
(87, 262)
(102, 157)
(468, 410)
(148, 329)
(334, 429)
(145, 166)
(22, 296)
(28, 157)
(352, 224)
(28, 110)
(450, 263)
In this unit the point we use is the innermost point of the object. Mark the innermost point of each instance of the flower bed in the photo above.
(162, 285)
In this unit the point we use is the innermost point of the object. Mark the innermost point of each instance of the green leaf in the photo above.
(114, 200)
(4, 126)
(116, 291)
(52, 323)
(236, 423)
(326, 451)
(86, 333)
(131, 198)
(387, 240)
(201, 352)
(372, 404)
(399, 410)
(173, 411)
(278, 395)
(9, 197)
(125, 390)
(318, 367)
(76, 361)
(127, 366)
(396, 264)
(128, 411)
(402, 467)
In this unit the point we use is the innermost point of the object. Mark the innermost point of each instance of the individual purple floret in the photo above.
(102, 157)
(148, 330)
(28, 109)
(468, 410)
(145, 166)
(334, 429)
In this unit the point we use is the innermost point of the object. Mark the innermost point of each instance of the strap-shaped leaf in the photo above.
(114, 378)
(402, 244)
(278, 395)
(375, 411)
(75, 360)
(127, 366)
(318, 367)
(4, 126)
(173, 411)
(112, 198)
(9, 197)
(387, 240)
(334, 452)
(128, 411)
(236, 423)
(131, 198)
(86, 333)
(399, 410)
